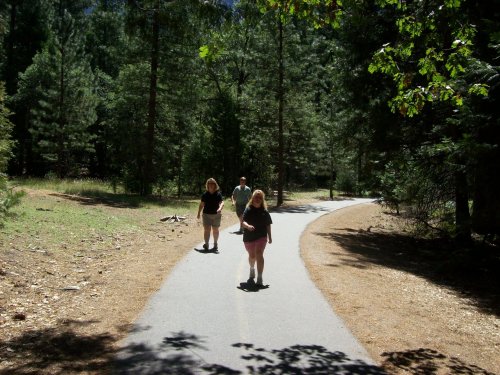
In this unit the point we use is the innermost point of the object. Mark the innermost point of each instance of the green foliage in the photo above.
(76, 186)
(443, 73)
(59, 87)
(346, 182)
(23, 38)
(105, 41)
(421, 187)
(385, 96)
(127, 104)
(424, 64)
(5, 132)
(319, 13)
(8, 198)
(210, 53)
(173, 101)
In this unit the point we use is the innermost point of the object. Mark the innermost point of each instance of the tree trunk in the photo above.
(11, 78)
(17, 163)
(486, 207)
(462, 214)
(150, 133)
(332, 171)
(281, 98)
(62, 120)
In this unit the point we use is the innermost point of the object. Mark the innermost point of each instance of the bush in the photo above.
(346, 182)
(8, 198)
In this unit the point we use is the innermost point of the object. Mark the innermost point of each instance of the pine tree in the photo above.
(106, 48)
(65, 100)
(8, 198)
(27, 28)
(5, 136)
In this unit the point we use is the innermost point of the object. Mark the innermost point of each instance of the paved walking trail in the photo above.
(201, 322)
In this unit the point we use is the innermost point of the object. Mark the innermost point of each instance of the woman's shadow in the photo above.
(213, 250)
(251, 286)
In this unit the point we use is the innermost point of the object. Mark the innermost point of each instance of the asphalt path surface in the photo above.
(205, 319)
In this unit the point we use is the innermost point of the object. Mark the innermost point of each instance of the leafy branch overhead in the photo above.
(431, 57)
(320, 13)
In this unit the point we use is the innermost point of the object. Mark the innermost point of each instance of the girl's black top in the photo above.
(260, 219)
(211, 201)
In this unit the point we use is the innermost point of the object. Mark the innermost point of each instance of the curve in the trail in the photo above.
(204, 321)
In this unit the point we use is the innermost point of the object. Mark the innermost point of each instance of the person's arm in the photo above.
(233, 196)
(269, 235)
(221, 205)
(200, 207)
(251, 228)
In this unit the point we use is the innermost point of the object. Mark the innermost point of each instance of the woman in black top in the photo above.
(257, 232)
(211, 203)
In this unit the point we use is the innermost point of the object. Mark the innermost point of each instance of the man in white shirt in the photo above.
(241, 196)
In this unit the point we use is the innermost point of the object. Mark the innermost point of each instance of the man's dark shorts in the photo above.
(240, 208)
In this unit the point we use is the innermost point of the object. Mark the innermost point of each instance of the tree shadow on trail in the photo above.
(303, 359)
(182, 353)
(429, 362)
(56, 350)
(474, 273)
(302, 209)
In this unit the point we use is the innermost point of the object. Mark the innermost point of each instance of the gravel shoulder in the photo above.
(410, 315)
(360, 258)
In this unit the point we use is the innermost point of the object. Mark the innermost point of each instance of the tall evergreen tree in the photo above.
(5, 136)
(181, 92)
(226, 55)
(62, 82)
(28, 27)
(7, 197)
(105, 44)
(153, 21)
(283, 12)
(164, 38)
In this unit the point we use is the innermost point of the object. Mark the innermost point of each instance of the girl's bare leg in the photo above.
(259, 257)
(206, 233)
(215, 231)
(251, 259)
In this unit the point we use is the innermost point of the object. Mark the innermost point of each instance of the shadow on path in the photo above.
(429, 362)
(309, 208)
(304, 209)
(63, 351)
(251, 286)
(207, 251)
(182, 353)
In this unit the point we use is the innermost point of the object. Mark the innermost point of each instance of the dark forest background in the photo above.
(392, 99)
